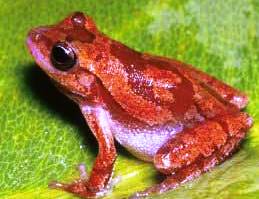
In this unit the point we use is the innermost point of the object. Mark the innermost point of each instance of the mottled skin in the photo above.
(161, 110)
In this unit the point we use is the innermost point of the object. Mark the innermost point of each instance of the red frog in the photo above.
(163, 111)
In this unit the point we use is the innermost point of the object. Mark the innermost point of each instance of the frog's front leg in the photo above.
(98, 182)
(197, 150)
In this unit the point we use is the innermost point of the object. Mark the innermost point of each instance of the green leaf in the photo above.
(43, 135)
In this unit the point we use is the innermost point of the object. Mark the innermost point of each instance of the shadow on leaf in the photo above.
(57, 103)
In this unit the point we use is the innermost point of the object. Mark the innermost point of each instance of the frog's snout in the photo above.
(33, 40)
(38, 45)
(30, 41)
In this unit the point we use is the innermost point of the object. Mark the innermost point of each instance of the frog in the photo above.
(163, 111)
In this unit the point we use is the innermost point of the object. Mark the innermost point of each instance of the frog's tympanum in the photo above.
(163, 111)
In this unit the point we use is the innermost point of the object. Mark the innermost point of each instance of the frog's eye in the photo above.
(62, 56)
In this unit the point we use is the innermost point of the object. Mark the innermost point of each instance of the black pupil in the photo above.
(62, 56)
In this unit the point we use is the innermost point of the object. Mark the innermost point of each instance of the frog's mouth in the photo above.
(70, 93)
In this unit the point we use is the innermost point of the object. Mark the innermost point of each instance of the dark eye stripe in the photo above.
(62, 56)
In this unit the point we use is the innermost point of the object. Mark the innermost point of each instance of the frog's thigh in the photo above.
(197, 150)
(201, 142)
(227, 92)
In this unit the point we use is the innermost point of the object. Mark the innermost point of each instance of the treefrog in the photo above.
(161, 110)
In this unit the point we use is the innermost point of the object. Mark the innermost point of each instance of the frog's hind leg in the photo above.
(228, 93)
(197, 150)
(213, 85)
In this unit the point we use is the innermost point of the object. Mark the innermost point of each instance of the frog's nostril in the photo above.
(37, 34)
(34, 36)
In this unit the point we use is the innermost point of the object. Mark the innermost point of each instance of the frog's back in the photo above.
(151, 90)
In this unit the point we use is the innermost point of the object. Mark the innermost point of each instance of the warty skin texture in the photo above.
(161, 110)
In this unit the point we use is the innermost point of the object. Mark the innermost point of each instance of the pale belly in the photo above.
(144, 142)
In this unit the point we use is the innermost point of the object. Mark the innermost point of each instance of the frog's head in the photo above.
(65, 51)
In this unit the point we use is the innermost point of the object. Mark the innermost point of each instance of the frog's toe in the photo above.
(81, 187)
(83, 172)
(114, 181)
(139, 195)
(77, 186)
(57, 185)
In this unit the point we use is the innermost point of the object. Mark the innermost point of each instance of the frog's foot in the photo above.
(77, 187)
(81, 188)
(170, 183)
(197, 150)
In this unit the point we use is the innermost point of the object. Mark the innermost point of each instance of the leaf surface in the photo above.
(43, 135)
